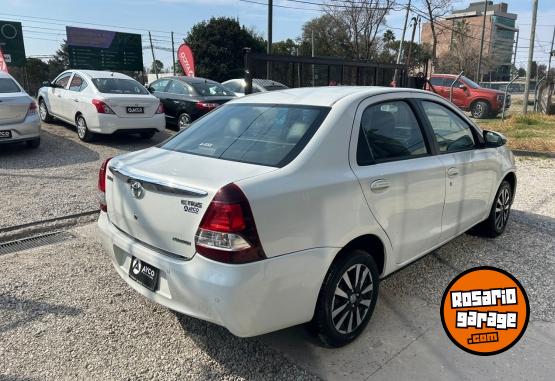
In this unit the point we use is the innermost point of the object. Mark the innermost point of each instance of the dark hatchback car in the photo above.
(186, 99)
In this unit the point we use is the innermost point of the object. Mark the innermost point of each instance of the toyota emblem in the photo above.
(137, 189)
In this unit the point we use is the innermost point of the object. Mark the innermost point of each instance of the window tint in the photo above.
(451, 132)
(77, 83)
(209, 88)
(392, 132)
(269, 135)
(8, 85)
(177, 88)
(63, 80)
(437, 81)
(160, 85)
(119, 86)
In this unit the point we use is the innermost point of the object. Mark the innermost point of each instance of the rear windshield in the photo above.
(207, 89)
(8, 85)
(119, 86)
(270, 135)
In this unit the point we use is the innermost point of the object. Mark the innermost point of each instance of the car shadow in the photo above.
(19, 156)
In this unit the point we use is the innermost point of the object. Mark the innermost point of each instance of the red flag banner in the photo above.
(186, 59)
(3, 64)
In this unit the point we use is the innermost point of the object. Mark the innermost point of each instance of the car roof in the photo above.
(100, 74)
(318, 96)
(186, 79)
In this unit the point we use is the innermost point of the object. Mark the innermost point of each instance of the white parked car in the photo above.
(238, 86)
(288, 207)
(19, 120)
(100, 102)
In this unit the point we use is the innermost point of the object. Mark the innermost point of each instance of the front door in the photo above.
(403, 183)
(470, 170)
(56, 93)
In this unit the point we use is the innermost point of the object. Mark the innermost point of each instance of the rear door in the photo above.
(403, 183)
(470, 170)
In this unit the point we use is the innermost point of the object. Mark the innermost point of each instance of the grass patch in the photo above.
(531, 132)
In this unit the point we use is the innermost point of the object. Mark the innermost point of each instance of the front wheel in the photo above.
(347, 299)
(83, 131)
(480, 110)
(499, 213)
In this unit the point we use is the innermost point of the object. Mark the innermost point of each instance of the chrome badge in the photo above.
(137, 189)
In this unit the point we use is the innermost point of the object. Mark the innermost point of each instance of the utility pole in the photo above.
(516, 47)
(530, 56)
(551, 53)
(269, 46)
(400, 53)
(173, 55)
(312, 43)
(478, 72)
(153, 57)
(414, 22)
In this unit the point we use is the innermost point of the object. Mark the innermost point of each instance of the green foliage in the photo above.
(159, 67)
(218, 45)
(527, 119)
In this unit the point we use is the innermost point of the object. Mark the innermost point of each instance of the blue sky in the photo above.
(44, 20)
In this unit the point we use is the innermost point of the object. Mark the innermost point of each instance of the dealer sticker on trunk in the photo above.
(191, 206)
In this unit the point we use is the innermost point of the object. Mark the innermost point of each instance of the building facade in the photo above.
(499, 37)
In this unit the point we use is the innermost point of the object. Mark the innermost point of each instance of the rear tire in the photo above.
(346, 300)
(82, 130)
(147, 134)
(498, 217)
(480, 110)
(43, 112)
(184, 121)
(35, 143)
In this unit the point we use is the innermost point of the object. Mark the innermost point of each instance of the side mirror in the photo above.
(463, 87)
(150, 89)
(494, 139)
(47, 84)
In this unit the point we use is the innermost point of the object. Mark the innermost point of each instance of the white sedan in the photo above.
(19, 121)
(288, 207)
(99, 102)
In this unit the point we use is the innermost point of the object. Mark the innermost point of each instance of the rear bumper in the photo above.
(108, 124)
(248, 300)
(29, 129)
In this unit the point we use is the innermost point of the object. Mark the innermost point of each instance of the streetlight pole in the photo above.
(478, 72)
(530, 56)
(269, 46)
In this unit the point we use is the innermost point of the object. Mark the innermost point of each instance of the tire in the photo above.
(82, 130)
(496, 222)
(183, 121)
(342, 312)
(480, 110)
(43, 112)
(147, 134)
(35, 143)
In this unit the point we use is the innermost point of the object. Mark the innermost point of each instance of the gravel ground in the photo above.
(59, 178)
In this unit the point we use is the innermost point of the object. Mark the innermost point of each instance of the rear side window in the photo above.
(452, 134)
(8, 85)
(119, 86)
(270, 135)
(208, 88)
(391, 132)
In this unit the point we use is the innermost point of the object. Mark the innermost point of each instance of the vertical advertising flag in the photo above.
(3, 65)
(186, 59)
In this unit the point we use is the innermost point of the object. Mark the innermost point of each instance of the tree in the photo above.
(521, 72)
(285, 48)
(59, 61)
(158, 68)
(436, 9)
(330, 38)
(361, 21)
(218, 47)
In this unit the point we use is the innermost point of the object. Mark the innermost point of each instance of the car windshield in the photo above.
(119, 86)
(208, 89)
(470, 82)
(8, 85)
(270, 135)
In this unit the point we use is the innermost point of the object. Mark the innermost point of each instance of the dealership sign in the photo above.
(11, 43)
(186, 59)
(104, 50)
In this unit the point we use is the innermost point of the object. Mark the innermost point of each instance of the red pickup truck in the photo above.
(469, 96)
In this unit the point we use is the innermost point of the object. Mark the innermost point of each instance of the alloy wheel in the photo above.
(352, 298)
(81, 128)
(478, 110)
(43, 111)
(184, 121)
(502, 208)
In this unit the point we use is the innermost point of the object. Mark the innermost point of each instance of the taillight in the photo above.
(227, 232)
(32, 108)
(206, 106)
(102, 107)
(102, 185)
(160, 109)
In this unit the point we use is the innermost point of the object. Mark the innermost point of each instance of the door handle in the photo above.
(75, 100)
(379, 185)
(452, 172)
(59, 96)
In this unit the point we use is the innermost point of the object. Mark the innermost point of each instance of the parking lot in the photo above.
(65, 314)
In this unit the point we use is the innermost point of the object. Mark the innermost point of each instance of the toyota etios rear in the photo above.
(288, 207)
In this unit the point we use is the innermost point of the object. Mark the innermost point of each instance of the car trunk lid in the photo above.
(127, 106)
(13, 108)
(175, 190)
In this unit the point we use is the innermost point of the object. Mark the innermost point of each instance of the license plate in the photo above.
(144, 273)
(135, 110)
(5, 134)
